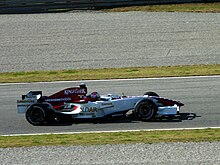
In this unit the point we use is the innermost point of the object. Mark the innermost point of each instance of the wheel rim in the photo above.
(36, 115)
(145, 111)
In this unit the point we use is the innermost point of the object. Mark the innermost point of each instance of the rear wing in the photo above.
(27, 100)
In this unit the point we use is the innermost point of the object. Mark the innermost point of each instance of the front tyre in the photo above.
(36, 115)
(145, 110)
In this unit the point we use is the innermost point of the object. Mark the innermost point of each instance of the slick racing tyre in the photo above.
(145, 110)
(36, 115)
(151, 94)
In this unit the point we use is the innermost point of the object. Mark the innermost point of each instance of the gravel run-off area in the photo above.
(107, 40)
(158, 153)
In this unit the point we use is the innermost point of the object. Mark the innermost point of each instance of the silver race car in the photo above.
(73, 104)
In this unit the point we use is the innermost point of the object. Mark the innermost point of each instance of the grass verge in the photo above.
(187, 7)
(110, 73)
(206, 135)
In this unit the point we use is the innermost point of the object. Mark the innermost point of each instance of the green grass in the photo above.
(110, 73)
(206, 135)
(187, 7)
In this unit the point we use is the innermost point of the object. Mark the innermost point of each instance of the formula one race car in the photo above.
(74, 103)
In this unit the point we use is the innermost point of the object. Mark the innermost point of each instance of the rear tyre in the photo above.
(145, 110)
(151, 94)
(36, 115)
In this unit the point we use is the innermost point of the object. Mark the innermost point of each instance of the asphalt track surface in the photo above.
(199, 94)
(107, 40)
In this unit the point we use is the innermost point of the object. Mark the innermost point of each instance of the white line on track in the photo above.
(69, 133)
(135, 79)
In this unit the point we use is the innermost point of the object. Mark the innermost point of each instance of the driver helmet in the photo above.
(95, 95)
